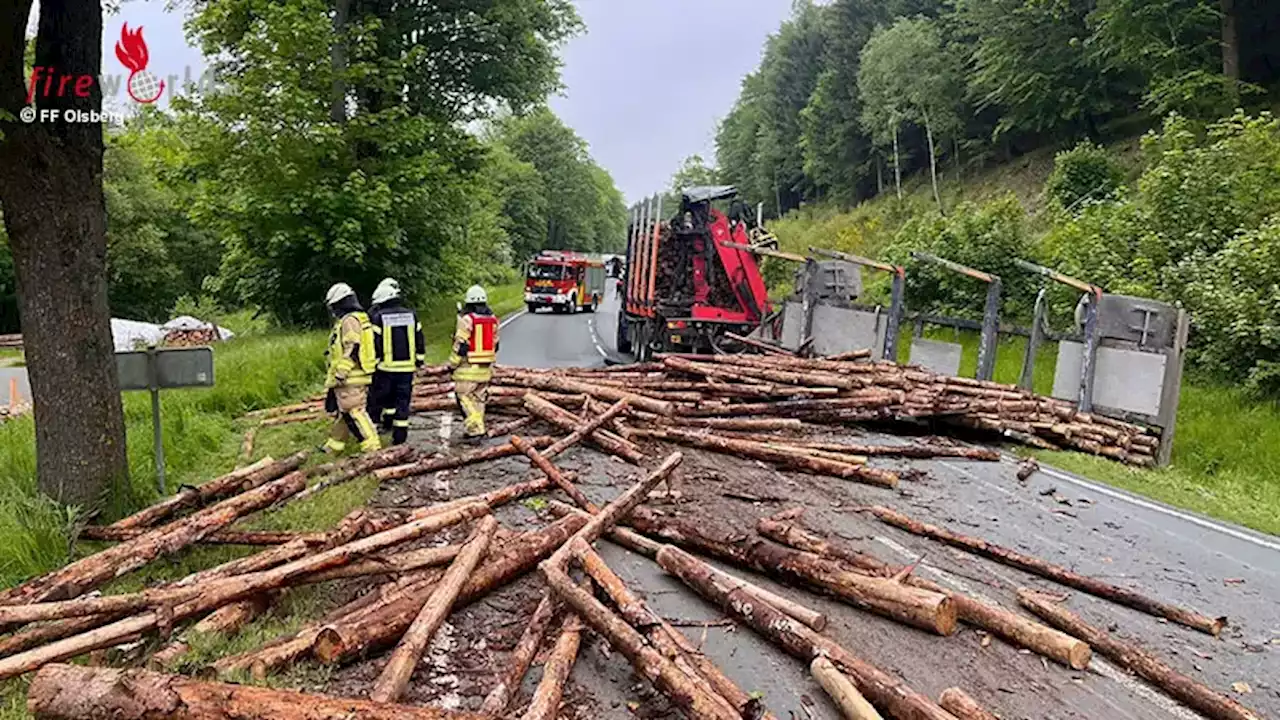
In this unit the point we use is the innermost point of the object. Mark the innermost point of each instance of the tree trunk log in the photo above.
(227, 620)
(496, 702)
(885, 692)
(348, 639)
(587, 429)
(1137, 660)
(1057, 573)
(842, 691)
(259, 538)
(914, 450)
(422, 467)
(355, 468)
(565, 420)
(958, 703)
(546, 699)
(233, 483)
(796, 459)
(1014, 628)
(508, 428)
(608, 393)
(553, 474)
(69, 692)
(91, 572)
(395, 676)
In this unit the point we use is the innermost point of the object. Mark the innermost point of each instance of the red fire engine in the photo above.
(565, 281)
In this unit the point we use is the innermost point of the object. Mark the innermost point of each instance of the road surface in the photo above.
(1166, 553)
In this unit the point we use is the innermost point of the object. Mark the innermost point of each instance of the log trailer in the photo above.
(565, 281)
(692, 279)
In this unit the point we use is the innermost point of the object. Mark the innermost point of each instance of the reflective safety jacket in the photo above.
(475, 347)
(397, 337)
(352, 359)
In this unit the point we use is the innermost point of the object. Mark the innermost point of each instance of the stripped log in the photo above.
(294, 419)
(587, 428)
(388, 564)
(355, 468)
(349, 638)
(215, 595)
(1057, 573)
(226, 620)
(760, 345)
(496, 702)
(553, 473)
(69, 692)
(921, 451)
(422, 467)
(788, 458)
(546, 699)
(1014, 628)
(259, 538)
(232, 483)
(842, 691)
(91, 572)
(509, 427)
(1137, 660)
(556, 383)
(958, 703)
(565, 420)
(395, 676)
(888, 694)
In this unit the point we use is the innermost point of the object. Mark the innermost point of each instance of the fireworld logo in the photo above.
(143, 86)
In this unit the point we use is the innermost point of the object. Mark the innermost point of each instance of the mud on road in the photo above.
(1061, 522)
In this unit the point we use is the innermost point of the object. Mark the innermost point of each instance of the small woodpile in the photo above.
(11, 341)
(192, 338)
(57, 617)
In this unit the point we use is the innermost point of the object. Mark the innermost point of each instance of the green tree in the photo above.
(693, 172)
(737, 146)
(523, 194)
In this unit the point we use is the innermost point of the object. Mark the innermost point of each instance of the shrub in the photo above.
(1083, 174)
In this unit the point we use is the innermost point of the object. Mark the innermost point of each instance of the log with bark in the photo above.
(496, 702)
(1014, 628)
(546, 698)
(566, 420)
(587, 428)
(556, 383)
(509, 427)
(1057, 573)
(919, 451)
(1137, 660)
(553, 473)
(958, 703)
(449, 462)
(355, 468)
(70, 692)
(888, 694)
(259, 538)
(391, 684)
(842, 691)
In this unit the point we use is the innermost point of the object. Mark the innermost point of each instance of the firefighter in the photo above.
(475, 348)
(398, 345)
(351, 366)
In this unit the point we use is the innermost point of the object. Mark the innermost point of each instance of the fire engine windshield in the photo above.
(547, 272)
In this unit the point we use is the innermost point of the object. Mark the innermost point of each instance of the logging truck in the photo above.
(691, 282)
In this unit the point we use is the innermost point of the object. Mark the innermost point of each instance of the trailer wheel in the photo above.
(623, 339)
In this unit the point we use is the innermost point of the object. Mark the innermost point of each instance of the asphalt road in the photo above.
(1166, 553)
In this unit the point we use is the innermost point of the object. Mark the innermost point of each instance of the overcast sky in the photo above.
(645, 85)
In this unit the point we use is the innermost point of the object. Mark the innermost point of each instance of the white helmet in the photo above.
(477, 296)
(386, 290)
(337, 293)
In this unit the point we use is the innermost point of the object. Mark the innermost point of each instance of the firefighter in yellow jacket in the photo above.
(475, 348)
(351, 366)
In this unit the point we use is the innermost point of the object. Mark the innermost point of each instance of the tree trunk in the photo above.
(587, 428)
(496, 702)
(69, 692)
(546, 699)
(553, 474)
(897, 166)
(958, 703)
(338, 62)
(566, 420)
(1057, 573)
(391, 684)
(232, 483)
(55, 214)
(933, 162)
(798, 458)
(842, 691)
(557, 383)
(1135, 659)
(1230, 43)
(422, 467)
(879, 178)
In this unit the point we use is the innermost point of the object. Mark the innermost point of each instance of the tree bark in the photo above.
(1137, 660)
(55, 215)
(796, 459)
(353, 468)
(553, 474)
(933, 163)
(556, 383)
(897, 167)
(958, 703)
(69, 692)
(546, 699)
(587, 428)
(1230, 43)
(232, 483)
(565, 420)
(885, 692)
(422, 467)
(842, 691)
(391, 684)
(91, 572)
(1057, 573)
(496, 702)
(258, 538)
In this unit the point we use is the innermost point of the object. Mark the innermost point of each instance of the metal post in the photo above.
(897, 309)
(1089, 357)
(1172, 394)
(157, 435)
(990, 331)
(652, 290)
(1028, 380)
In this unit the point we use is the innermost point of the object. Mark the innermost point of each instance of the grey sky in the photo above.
(645, 85)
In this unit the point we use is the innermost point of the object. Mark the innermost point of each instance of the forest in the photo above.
(1166, 181)
(419, 146)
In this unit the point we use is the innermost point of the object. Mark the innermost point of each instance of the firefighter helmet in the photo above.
(388, 289)
(477, 296)
(337, 293)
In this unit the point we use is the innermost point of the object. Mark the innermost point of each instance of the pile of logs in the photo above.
(57, 617)
(192, 338)
(11, 341)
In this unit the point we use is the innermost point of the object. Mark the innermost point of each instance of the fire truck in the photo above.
(692, 279)
(564, 281)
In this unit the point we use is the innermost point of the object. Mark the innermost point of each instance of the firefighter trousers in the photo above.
(352, 420)
(472, 397)
(389, 401)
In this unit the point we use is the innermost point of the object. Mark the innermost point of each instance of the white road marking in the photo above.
(1098, 664)
(595, 340)
(513, 318)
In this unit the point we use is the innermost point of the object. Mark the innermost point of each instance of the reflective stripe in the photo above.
(359, 369)
(392, 325)
(400, 423)
(482, 346)
(473, 373)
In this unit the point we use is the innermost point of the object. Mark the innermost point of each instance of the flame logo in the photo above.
(131, 49)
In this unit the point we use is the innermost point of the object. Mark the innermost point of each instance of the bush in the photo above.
(1085, 173)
